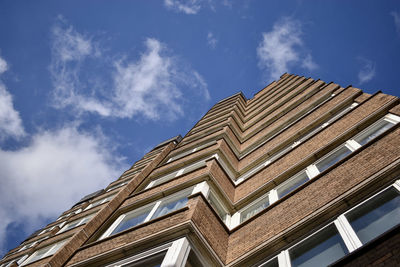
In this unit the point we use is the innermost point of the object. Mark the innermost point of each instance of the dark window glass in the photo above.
(292, 184)
(331, 159)
(320, 249)
(376, 216)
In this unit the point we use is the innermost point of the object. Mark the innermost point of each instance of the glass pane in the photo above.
(153, 261)
(132, 218)
(271, 263)
(217, 206)
(376, 216)
(170, 205)
(332, 158)
(320, 249)
(292, 184)
(254, 209)
(373, 131)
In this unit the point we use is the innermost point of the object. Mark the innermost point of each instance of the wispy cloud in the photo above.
(151, 87)
(367, 71)
(187, 7)
(282, 48)
(10, 121)
(396, 17)
(52, 173)
(3, 65)
(211, 40)
(190, 7)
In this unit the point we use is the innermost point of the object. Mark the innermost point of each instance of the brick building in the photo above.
(305, 173)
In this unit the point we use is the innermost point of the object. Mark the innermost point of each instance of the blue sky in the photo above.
(87, 87)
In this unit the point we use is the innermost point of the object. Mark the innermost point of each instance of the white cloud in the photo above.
(367, 71)
(3, 65)
(51, 173)
(189, 7)
(211, 40)
(282, 48)
(10, 121)
(396, 17)
(152, 87)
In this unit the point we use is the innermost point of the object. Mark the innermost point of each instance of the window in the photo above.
(292, 184)
(376, 129)
(320, 249)
(271, 263)
(51, 228)
(69, 214)
(116, 186)
(375, 216)
(148, 212)
(18, 260)
(31, 244)
(348, 232)
(332, 158)
(99, 202)
(44, 252)
(190, 151)
(174, 174)
(76, 223)
(216, 203)
(176, 253)
(300, 140)
(319, 166)
(254, 208)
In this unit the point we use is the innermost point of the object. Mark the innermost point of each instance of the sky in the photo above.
(88, 87)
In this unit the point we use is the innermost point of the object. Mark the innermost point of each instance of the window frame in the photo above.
(52, 249)
(154, 207)
(342, 225)
(82, 221)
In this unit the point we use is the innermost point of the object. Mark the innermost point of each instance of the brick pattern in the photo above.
(238, 126)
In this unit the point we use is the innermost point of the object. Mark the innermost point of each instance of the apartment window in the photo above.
(175, 174)
(75, 223)
(51, 228)
(116, 186)
(319, 166)
(271, 263)
(69, 214)
(292, 184)
(348, 232)
(300, 140)
(320, 249)
(216, 203)
(17, 260)
(44, 252)
(376, 129)
(332, 158)
(176, 253)
(254, 208)
(99, 202)
(148, 212)
(31, 244)
(376, 216)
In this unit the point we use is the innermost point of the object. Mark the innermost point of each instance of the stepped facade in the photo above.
(305, 173)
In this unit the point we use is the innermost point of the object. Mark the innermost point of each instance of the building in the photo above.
(305, 173)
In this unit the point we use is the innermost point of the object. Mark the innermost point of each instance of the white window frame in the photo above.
(17, 260)
(219, 202)
(298, 141)
(53, 248)
(176, 254)
(117, 186)
(342, 225)
(190, 151)
(81, 221)
(154, 206)
(312, 170)
(100, 201)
